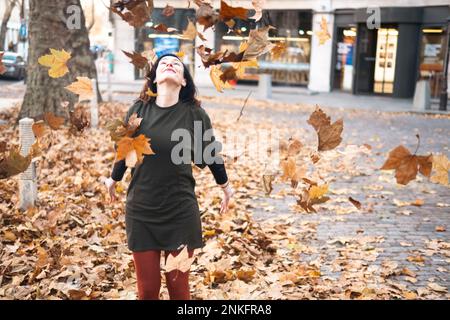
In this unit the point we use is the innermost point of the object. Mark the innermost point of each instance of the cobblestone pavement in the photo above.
(405, 231)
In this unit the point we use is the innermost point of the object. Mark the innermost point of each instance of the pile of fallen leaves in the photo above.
(72, 245)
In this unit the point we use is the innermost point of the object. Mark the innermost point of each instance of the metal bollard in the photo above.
(94, 105)
(27, 179)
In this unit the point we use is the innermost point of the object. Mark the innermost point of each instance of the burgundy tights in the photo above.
(148, 273)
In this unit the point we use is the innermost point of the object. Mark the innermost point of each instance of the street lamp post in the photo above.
(444, 95)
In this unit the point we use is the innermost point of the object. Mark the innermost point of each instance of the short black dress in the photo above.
(162, 211)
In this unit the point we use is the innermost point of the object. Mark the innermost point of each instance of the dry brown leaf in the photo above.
(138, 60)
(406, 165)
(329, 135)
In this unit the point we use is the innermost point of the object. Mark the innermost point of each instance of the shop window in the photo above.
(432, 58)
(293, 27)
(346, 42)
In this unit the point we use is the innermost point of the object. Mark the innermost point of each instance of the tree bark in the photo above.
(6, 16)
(48, 29)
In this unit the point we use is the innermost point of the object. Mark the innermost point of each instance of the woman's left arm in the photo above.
(220, 175)
(216, 166)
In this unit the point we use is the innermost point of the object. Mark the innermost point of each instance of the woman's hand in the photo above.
(228, 193)
(111, 186)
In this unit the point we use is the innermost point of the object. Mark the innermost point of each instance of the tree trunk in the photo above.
(47, 30)
(6, 15)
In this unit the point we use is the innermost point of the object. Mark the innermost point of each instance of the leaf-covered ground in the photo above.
(73, 246)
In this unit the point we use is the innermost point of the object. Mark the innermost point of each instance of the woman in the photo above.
(162, 212)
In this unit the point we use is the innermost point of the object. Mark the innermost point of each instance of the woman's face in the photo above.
(170, 69)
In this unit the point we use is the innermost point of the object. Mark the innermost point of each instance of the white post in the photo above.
(265, 86)
(320, 64)
(94, 106)
(27, 179)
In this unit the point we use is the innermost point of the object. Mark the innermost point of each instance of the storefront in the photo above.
(344, 50)
(379, 61)
(294, 28)
(147, 39)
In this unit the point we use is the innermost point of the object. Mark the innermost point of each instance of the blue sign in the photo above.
(166, 45)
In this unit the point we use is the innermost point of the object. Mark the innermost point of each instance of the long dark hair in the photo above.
(188, 93)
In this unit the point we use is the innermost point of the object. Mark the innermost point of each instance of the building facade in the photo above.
(376, 47)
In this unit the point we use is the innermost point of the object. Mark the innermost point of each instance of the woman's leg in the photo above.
(177, 281)
(148, 274)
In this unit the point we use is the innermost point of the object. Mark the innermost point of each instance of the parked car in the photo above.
(15, 66)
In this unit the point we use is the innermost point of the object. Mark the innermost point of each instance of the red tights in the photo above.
(148, 273)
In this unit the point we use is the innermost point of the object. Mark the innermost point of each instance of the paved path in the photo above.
(406, 231)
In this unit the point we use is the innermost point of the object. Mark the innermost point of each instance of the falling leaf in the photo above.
(215, 74)
(294, 147)
(180, 262)
(292, 172)
(206, 16)
(161, 27)
(78, 120)
(14, 163)
(191, 31)
(168, 11)
(53, 121)
(440, 169)
(243, 65)
(258, 43)
(406, 165)
(137, 12)
(279, 49)
(316, 192)
(356, 203)
(311, 196)
(228, 74)
(39, 129)
(133, 150)
(56, 61)
(267, 180)
(150, 93)
(329, 135)
(82, 87)
(323, 33)
(440, 229)
(228, 12)
(258, 6)
(137, 59)
(180, 54)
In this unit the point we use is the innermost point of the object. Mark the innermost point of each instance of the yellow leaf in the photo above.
(56, 61)
(441, 166)
(82, 87)
(150, 93)
(241, 66)
(317, 192)
(133, 150)
(323, 33)
(215, 74)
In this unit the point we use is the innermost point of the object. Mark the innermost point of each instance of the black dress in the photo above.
(162, 211)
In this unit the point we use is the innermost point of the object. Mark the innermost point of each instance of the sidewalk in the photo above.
(128, 91)
(296, 95)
